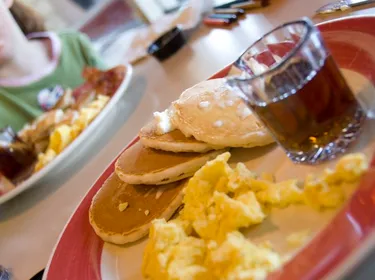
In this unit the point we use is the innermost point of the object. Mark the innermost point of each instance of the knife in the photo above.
(342, 6)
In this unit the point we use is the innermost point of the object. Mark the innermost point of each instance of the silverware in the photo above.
(334, 7)
(342, 6)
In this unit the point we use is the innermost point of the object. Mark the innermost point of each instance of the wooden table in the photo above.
(31, 223)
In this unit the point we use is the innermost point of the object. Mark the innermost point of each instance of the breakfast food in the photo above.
(69, 127)
(172, 141)
(213, 114)
(69, 117)
(70, 112)
(207, 116)
(16, 157)
(205, 241)
(104, 82)
(140, 165)
(41, 127)
(172, 254)
(65, 101)
(38, 132)
(122, 213)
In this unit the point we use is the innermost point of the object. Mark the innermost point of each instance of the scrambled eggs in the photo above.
(208, 207)
(204, 242)
(44, 159)
(238, 258)
(64, 134)
(172, 254)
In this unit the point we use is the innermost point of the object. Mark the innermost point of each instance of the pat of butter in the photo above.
(163, 122)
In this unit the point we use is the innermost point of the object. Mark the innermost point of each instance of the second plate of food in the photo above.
(89, 126)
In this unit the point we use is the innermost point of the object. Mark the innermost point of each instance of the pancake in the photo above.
(141, 165)
(213, 114)
(173, 141)
(144, 204)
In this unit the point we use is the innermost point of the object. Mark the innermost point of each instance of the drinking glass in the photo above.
(292, 83)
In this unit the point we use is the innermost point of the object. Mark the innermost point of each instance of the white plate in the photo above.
(69, 151)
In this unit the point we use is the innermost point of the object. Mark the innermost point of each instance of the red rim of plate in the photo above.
(77, 254)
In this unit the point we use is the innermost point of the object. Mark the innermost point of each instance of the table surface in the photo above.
(30, 224)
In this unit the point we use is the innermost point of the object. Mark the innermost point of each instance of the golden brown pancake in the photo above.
(144, 205)
(141, 165)
(173, 141)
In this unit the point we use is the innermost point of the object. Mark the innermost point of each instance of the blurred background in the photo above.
(102, 20)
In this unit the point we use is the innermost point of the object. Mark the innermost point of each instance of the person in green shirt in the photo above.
(32, 62)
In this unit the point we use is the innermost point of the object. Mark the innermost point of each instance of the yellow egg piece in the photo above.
(239, 258)
(200, 188)
(99, 103)
(171, 254)
(319, 194)
(60, 138)
(349, 168)
(75, 131)
(86, 115)
(44, 159)
(240, 179)
(281, 194)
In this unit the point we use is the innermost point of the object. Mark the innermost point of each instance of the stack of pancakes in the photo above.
(150, 176)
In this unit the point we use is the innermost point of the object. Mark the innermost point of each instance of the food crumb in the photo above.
(139, 209)
(123, 206)
(297, 239)
(147, 212)
(266, 244)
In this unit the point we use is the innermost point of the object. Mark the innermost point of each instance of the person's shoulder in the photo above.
(75, 41)
(2, 91)
(71, 36)
(80, 44)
